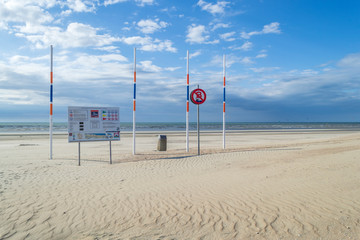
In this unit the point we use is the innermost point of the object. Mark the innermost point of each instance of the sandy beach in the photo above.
(290, 184)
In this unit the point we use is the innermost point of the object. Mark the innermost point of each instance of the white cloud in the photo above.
(220, 25)
(147, 66)
(246, 46)
(271, 28)
(109, 49)
(195, 54)
(264, 69)
(172, 69)
(247, 60)
(142, 3)
(197, 34)
(76, 35)
(267, 29)
(17, 59)
(230, 60)
(218, 8)
(327, 87)
(261, 55)
(113, 57)
(149, 44)
(110, 2)
(150, 26)
(309, 72)
(228, 36)
(350, 61)
(22, 97)
(22, 12)
(159, 45)
(85, 68)
(80, 5)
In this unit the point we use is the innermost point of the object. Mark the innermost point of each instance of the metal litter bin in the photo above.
(161, 146)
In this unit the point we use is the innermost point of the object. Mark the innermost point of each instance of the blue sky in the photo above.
(295, 60)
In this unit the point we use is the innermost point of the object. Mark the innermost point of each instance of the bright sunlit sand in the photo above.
(266, 185)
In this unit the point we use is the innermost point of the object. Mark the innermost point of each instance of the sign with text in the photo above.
(93, 124)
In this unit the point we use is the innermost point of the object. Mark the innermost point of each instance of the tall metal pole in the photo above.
(198, 125)
(134, 104)
(51, 100)
(224, 100)
(187, 103)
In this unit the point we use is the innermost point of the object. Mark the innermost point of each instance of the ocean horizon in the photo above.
(61, 127)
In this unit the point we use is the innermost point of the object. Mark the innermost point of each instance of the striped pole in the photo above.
(224, 66)
(51, 100)
(187, 103)
(134, 102)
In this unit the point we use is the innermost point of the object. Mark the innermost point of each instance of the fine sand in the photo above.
(266, 185)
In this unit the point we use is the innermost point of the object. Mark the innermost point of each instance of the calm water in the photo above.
(33, 127)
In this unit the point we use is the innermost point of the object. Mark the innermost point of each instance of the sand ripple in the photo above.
(295, 191)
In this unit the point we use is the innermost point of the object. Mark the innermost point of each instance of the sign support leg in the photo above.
(79, 152)
(110, 153)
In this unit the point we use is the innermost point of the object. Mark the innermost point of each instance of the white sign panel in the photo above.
(93, 124)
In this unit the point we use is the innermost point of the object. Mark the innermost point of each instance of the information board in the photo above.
(93, 124)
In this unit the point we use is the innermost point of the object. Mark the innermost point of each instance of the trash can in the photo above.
(161, 146)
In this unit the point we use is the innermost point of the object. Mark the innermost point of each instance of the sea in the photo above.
(61, 127)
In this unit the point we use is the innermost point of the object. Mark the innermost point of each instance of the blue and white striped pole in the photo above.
(134, 104)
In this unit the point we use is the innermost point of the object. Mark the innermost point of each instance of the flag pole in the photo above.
(51, 101)
(187, 103)
(224, 71)
(134, 104)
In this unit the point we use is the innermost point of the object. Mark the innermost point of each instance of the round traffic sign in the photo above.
(198, 96)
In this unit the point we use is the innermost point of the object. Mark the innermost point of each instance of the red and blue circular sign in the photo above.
(198, 96)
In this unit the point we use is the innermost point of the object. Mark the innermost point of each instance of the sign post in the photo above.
(79, 153)
(198, 96)
(110, 153)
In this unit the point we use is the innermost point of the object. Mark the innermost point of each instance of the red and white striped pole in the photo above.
(51, 100)
(134, 104)
(187, 103)
(224, 67)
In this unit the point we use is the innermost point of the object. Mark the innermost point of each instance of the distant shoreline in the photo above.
(192, 132)
(61, 127)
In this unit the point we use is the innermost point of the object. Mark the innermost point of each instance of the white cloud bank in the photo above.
(75, 35)
(31, 20)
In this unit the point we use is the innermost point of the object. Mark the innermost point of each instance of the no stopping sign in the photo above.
(198, 96)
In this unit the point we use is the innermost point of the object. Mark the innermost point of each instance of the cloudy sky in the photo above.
(295, 60)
